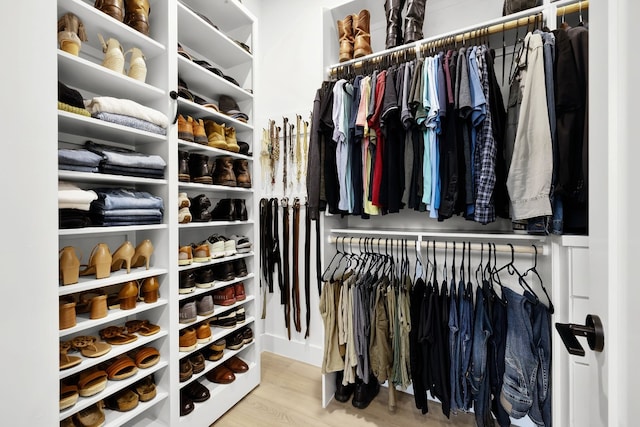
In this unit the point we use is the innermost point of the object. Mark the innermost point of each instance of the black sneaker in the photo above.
(223, 272)
(225, 320)
(187, 282)
(239, 268)
(204, 277)
(235, 341)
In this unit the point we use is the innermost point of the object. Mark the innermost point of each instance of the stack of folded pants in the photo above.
(74, 204)
(78, 159)
(122, 161)
(122, 206)
(129, 113)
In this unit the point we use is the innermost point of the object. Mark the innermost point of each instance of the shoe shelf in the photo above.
(227, 354)
(116, 350)
(79, 72)
(193, 147)
(88, 283)
(202, 224)
(218, 309)
(217, 285)
(198, 77)
(83, 322)
(198, 35)
(210, 187)
(195, 265)
(96, 22)
(225, 396)
(90, 128)
(110, 230)
(230, 15)
(115, 418)
(111, 388)
(107, 178)
(197, 111)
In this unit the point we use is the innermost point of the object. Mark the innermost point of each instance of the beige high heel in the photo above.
(99, 262)
(142, 255)
(71, 33)
(123, 255)
(113, 54)
(137, 65)
(69, 265)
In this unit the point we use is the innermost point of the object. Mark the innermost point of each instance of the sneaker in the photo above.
(216, 245)
(238, 289)
(203, 333)
(188, 312)
(215, 351)
(247, 334)
(235, 341)
(223, 272)
(243, 245)
(229, 247)
(187, 282)
(183, 201)
(205, 305)
(201, 252)
(227, 320)
(185, 255)
(224, 296)
(239, 268)
(188, 340)
(197, 362)
(240, 315)
(204, 278)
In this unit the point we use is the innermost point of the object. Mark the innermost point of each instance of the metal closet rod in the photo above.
(355, 241)
(460, 36)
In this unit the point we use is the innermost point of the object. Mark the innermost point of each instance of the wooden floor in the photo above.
(290, 395)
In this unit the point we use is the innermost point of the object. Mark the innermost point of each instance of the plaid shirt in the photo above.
(484, 157)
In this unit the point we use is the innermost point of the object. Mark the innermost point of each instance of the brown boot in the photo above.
(241, 170)
(230, 138)
(215, 134)
(223, 173)
(113, 8)
(345, 38)
(185, 128)
(362, 43)
(199, 134)
(137, 15)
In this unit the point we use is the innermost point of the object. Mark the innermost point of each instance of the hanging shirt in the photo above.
(478, 111)
(374, 123)
(342, 150)
(426, 160)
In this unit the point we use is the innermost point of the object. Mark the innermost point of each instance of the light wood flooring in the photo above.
(290, 395)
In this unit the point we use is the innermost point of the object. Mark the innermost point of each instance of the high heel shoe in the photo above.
(99, 262)
(149, 289)
(123, 255)
(137, 65)
(113, 55)
(143, 254)
(69, 265)
(128, 295)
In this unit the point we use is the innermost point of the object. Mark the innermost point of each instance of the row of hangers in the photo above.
(371, 258)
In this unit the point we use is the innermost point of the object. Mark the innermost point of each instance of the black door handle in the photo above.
(592, 329)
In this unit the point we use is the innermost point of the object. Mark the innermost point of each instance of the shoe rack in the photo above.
(170, 22)
(218, 47)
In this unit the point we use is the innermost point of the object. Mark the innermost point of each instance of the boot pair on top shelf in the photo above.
(412, 22)
(354, 36)
(134, 13)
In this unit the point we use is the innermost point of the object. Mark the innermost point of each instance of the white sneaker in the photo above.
(243, 245)
(216, 244)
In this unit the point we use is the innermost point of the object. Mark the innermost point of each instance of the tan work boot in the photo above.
(362, 43)
(215, 134)
(185, 128)
(230, 137)
(241, 170)
(345, 38)
(199, 134)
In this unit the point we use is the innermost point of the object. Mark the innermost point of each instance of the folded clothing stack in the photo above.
(122, 206)
(78, 159)
(122, 161)
(129, 113)
(74, 204)
(70, 100)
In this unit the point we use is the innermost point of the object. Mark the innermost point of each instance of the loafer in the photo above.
(186, 370)
(197, 363)
(227, 320)
(197, 392)
(235, 341)
(240, 315)
(238, 290)
(188, 340)
(204, 278)
(186, 404)
(203, 333)
(205, 305)
(188, 312)
(224, 272)
(221, 375)
(236, 365)
(239, 268)
(187, 282)
(247, 335)
(224, 296)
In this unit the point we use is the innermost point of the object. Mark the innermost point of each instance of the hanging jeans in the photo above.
(465, 338)
(479, 376)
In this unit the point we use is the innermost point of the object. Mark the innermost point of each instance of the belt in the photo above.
(266, 279)
(296, 276)
(285, 127)
(307, 256)
(274, 254)
(284, 287)
(318, 262)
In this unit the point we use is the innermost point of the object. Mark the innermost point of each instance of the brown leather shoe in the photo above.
(362, 43)
(188, 339)
(215, 134)
(345, 38)
(128, 295)
(186, 370)
(185, 128)
(137, 15)
(150, 287)
(203, 333)
(238, 290)
(183, 166)
(199, 168)
(197, 362)
(199, 134)
(221, 375)
(223, 174)
(113, 8)
(236, 365)
(224, 296)
(241, 170)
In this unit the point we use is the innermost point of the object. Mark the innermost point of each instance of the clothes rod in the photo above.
(359, 241)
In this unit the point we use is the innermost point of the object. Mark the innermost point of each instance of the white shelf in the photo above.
(208, 187)
(217, 285)
(83, 322)
(209, 365)
(444, 235)
(230, 14)
(197, 111)
(112, 387)
(116, 350)
(90, 128)
(209, 84)
(109, 230)
(214, 261)
(219, 309)
(88, 283)
(206, 224)
(203, 149)
(115, 418)
(98, 177)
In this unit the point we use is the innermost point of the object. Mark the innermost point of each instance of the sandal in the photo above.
(146, 357)
(146, 389)
(122, 401)
(121, 367)
(143, 327)
(93, 416)
(92, 381)
(89, 346)
(68, 395)
(115, 335)
(67, 361)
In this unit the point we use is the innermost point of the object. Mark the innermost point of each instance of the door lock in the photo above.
(592, 329)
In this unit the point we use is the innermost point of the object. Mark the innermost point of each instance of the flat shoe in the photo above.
(121, 368)
(146, 389)
(115, 335)
(143, 327)
(90, 346)
(146, 357)
(67, 361)
(68, 395)
(221, 375)
(236, 365)
(123, 401)
(93, 416)
(92, 381)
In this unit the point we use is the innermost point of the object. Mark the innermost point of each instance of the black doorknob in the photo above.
(592, 329)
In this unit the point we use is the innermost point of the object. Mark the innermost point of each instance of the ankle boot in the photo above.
(199, 134)
(223, 173)
(71, 33)
(230, 139)
(414, 20)
(215, 134)
(113, 8)
(200, 208)
(343, 392)
(185, 128)
(183, 166)
(240, 209)
(225, 210)
(137, 65)
(365, 393)
(345, 38)
(137, 15)
(199, 167)
(362, 43)
(393, 12)
(113, 55)
(241, 170)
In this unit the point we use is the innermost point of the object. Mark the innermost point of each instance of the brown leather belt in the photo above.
(296, 275)
(307, 256)
(285, 297)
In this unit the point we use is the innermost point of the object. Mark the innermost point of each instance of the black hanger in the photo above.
(480, 267)
(535, 271)
(324, 278)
